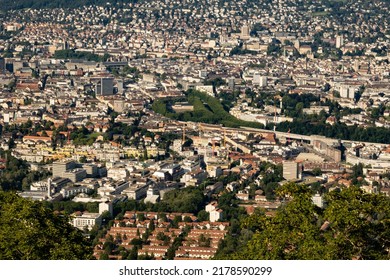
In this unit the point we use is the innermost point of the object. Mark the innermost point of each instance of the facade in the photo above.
(291, 170)
(60, 167)
(84, 220)
(259, 80)
(317, 200)
(339, 41)
(75, 175)
(105, 87)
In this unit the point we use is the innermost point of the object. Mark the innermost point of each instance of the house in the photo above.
(215, 213)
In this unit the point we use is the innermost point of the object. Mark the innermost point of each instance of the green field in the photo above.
(207, 109)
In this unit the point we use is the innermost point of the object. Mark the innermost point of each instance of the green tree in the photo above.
(359, 225)
(353, 225)
(203, 216)
(30, 231)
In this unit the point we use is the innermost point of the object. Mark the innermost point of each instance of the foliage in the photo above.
(30, 231)
(338, 131)
(188, 200)
(353, 225)
(83, 136)
(17, 175)
(69, 207)
(207, 109)
(228, 99)
(239, 50)
(72, 54)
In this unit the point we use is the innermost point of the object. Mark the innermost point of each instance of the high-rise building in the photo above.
(339, 41)
(291, 170)
(245, 30)
(232, 83)
(105, 87)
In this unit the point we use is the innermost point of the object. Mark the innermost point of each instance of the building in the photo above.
(291, 170)
(215, 214)
(317, 200)
(62, 166)
(91, 169)
(106, 206)
(339, 41)
(83, 220)
(231, 83)
(70, 191)
(245, 29)
(347, 92)
(105, 87)
(75, 175)
(260, 81)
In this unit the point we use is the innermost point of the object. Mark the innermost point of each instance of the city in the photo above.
(198, 129)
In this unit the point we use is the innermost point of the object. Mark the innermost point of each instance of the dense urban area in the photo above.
(195, 129)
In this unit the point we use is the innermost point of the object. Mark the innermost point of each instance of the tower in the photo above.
(339, 41)
(245, 30)
(49, 181)
(291, 170)
(105, 87)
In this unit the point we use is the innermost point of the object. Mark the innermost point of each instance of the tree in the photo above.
(30, 231)
(203, 216)
(316, 171)
(359, 224)
(353, 225)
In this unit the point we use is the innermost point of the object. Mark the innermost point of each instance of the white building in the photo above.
(339, 41)
(215, 213)
(259, 80)
(317, 200)
(88, 220)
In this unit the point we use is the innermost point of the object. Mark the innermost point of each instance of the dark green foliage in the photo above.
(71, 54)
(188, 200)
(30, 231)
(228, 99)
(16, 175)
(83, 136)
(354, 224)
(316, 125)
(217, 82)
(203, 216)
(274, 49)
(69, 207)
(239, 50)
(338, 131)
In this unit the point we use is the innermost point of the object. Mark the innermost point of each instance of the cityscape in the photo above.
(195, 130)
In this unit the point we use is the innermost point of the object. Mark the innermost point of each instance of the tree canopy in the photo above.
(30, 231)
(353, 225)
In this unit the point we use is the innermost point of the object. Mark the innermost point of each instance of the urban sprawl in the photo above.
(134, 102)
